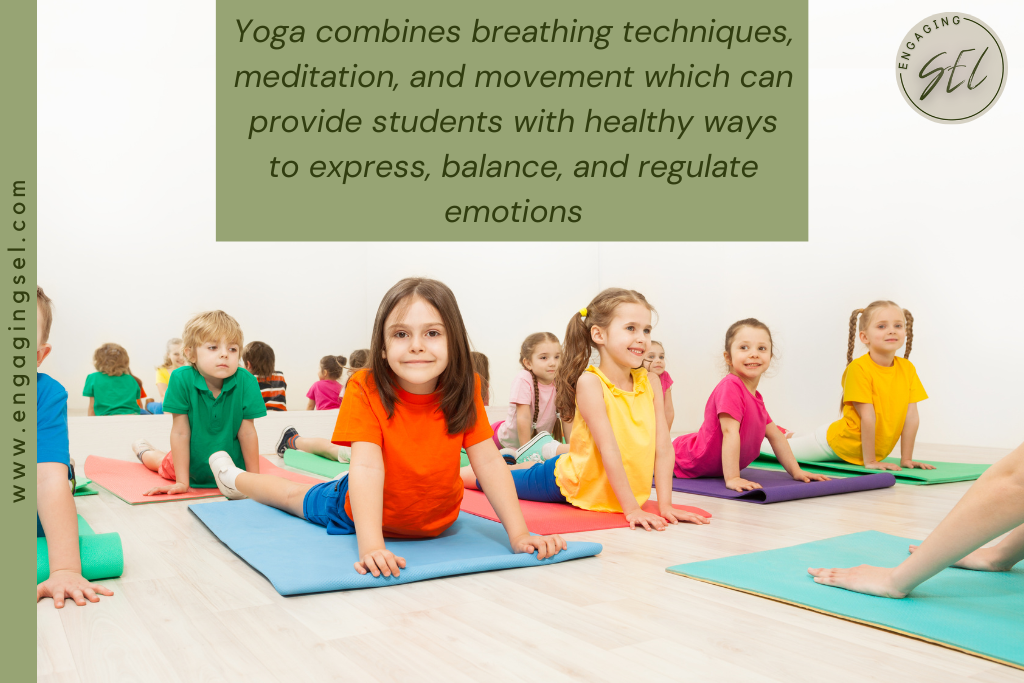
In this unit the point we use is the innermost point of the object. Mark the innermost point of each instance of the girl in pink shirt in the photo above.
(735, 419)
(656, 366)
(531, 406)
(326, 392)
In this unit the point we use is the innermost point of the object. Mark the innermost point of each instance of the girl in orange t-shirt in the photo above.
(407, 418)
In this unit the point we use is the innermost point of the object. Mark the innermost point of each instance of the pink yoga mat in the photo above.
(560, 518)
(129, 480)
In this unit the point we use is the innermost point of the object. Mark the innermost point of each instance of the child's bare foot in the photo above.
(981, 560)
(862, 579)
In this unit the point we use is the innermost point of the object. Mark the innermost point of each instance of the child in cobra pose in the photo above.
(419, 396)
(880, 396)
(619, 439)
(735, 419)
(656, 366)
(531, 407)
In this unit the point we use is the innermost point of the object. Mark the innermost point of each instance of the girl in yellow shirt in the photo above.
(619, 437)
(880, 396)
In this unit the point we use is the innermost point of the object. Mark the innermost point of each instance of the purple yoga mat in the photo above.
(779, 486)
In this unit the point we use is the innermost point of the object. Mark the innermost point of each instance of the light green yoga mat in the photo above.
(974, 612)
(944, 472)
(82, 488)
(307, 462)
(101, 554)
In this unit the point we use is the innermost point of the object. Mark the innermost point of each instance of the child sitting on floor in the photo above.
(172, 361)
(531, 405)
(619, 440)
(112, 389)
(259, 360)
(326, 392)
(735, 419)
(656, 366)
(419, 397)
(880, 396)
(214, 403)
(56, 517)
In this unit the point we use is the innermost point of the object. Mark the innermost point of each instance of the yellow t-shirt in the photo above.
(580, 472)
(163, 375)
(890, 390)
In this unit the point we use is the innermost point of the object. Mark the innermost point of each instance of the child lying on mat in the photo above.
(880, 396)
(214, 403)
(406, 418)
(735, 419)
(56, 517)
(619, 438)
(990, 508)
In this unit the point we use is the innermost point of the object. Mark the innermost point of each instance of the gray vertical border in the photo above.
(19, 192)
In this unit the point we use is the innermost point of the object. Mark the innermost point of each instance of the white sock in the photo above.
(228, 476)
(549, 450)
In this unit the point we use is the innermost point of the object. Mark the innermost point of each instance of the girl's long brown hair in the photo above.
(457, 381)
(578, 343)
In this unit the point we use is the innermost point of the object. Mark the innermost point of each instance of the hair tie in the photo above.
(583, 312)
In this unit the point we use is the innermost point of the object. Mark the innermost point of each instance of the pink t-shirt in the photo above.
(666, 381)
(325, 393)
(522, 394)
(700, 454)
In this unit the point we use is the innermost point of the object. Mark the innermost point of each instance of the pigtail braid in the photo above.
(536, 405)
(853, 334)
(910, 332)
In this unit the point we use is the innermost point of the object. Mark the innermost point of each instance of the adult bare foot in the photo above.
(862, 579)
(981, 560)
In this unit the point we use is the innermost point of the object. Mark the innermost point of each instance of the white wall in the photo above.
(900, 208)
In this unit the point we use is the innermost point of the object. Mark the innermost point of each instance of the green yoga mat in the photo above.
(974, 612)
(82, 488)
(944, 472)
(307, 462)
(101, 554)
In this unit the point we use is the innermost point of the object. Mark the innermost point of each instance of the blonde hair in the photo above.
(111, 359)
(578, 343)
(209, 326)
(865, 314)
(45, 305)
(167, 352)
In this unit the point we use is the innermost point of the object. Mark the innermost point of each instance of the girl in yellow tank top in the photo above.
(619, 438)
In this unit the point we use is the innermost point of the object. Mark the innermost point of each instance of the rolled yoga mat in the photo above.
(130, 480)
(101, 554)
(779, 486)
(82, 488)
(307, 462)
(974, 612)
(300, 557)
(560, 518)
(944, 472)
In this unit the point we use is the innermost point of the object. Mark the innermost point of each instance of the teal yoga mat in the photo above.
(82, 488)
(975, 612)
(307, 462)
(101, 554)
(944, 472)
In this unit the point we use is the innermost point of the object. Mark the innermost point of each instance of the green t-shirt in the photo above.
(214, 422)
(112, 395)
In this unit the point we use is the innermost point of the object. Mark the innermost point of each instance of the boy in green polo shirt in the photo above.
(214, 403)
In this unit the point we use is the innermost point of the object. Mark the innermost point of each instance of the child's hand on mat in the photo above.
(741, 484)
(882, 466)
(862, 579)
(673, 516)
(169, 490)
(544, 546)
(68, 584)
(379, 562)
(647, 520)
(910, 464)
(809, 476)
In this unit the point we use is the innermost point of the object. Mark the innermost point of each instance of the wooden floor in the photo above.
(188, 609)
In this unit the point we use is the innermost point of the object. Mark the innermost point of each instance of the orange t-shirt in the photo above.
(422, 486)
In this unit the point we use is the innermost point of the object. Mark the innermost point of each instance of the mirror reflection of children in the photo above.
(259, 359)
(993, 506)
(326, 392)
(656, 366)
(735, 418)
(112, 389)
(531, 404)
(406, 418)
(619, 440)
(880, 396)
(173, 359)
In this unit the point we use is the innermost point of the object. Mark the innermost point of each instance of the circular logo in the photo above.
(951, 67)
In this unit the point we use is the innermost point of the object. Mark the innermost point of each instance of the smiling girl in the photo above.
(531, 406)
(735, 418)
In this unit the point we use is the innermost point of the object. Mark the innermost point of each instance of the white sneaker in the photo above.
(222, 462)
(141, 446)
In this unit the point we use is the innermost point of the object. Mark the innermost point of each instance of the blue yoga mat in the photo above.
(975, 612)
(300, 557)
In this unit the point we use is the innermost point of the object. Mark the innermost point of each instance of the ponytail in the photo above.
(910, 332)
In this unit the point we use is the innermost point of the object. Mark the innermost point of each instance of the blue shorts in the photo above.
(324, 505)
(538, 483)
